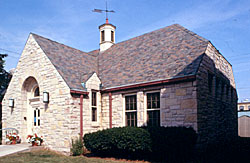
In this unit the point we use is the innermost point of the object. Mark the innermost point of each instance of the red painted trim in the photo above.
(192, 77)
(79, 92)
(81, 125)
(110, 110)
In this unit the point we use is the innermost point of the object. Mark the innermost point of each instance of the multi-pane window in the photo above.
(37, 117)
(112, 36)
(131, 110)
(153, 109)
(94, 106)
(36, 92)
(102, 36)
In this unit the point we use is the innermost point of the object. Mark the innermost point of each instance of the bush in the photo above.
(129, 142)
(77, 147)
(172, 143)
(156, 143)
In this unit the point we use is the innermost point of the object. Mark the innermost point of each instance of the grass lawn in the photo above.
(42, 156)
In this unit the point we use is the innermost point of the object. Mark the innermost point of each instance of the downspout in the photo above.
(110, 110)
(81, 125)
(81, 93)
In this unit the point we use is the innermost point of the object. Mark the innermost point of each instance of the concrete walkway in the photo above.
(9, 149)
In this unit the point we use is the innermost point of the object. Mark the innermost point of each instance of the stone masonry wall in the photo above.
(177, 101)
(58, 122)
(217, 101)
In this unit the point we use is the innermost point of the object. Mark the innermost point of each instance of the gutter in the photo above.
(172, 80)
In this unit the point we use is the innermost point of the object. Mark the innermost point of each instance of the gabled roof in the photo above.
(166, 53)
(170, 52)
(73, 65)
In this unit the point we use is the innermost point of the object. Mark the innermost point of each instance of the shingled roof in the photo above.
(166, 53)
(73, 65)
(170, 52)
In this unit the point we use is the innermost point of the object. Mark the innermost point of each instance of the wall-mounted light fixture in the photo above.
(46, 97)
(11, 103)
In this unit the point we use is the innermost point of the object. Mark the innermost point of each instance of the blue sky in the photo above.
(226, 23)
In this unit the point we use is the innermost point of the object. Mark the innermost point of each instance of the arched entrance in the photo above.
(31, 105)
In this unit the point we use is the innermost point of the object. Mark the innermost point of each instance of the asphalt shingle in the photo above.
(169, 52)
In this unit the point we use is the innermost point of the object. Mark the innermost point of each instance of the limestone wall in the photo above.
(57, 118)
(177, 101)
(217, 105)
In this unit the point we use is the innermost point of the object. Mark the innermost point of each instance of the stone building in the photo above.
(168, 77)
(244, 106)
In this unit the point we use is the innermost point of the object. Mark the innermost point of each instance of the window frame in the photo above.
(94, 106)
(112, 36)
(154, 109)
(130, 111)
(37, 117)
(102, 36)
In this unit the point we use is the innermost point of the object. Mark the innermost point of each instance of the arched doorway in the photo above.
(31, 106)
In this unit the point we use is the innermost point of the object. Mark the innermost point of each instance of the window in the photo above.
(102, 36)
(112, 36)
(131, 110)
(37, 117)
(153, 109)
(36, 92)
(248, 107)
(241, 108)
(94, 106)
(210, 82)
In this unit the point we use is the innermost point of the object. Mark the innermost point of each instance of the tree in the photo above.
(4, 76)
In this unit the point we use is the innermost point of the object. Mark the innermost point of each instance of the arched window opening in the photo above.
(36, 92)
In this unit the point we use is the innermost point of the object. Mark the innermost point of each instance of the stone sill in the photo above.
(95, 124)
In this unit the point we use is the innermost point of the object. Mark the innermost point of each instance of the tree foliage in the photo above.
(4, 76)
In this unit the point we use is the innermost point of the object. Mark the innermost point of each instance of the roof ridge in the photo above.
(57, 42)
(190, 32)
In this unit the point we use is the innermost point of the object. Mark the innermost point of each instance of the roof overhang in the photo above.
(137, 85)
(79, 92)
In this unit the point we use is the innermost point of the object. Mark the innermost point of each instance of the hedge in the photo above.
(160, 143)
(172, 143)
(119, 142)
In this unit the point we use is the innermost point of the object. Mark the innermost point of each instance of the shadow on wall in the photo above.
(216, 101)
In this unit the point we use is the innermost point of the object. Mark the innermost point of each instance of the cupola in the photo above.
(107, 35)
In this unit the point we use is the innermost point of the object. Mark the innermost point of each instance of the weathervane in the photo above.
(100, 11)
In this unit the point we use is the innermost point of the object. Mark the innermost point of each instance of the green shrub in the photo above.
(119, 142)
(77, 147)
(172, 143)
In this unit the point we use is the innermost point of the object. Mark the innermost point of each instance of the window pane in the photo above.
(36, 92)
(102, 35)
(153, 118)
(131, 119)
(34, 117)
(130, 102)
(94, 114)
(93, 98)
(153, 100)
